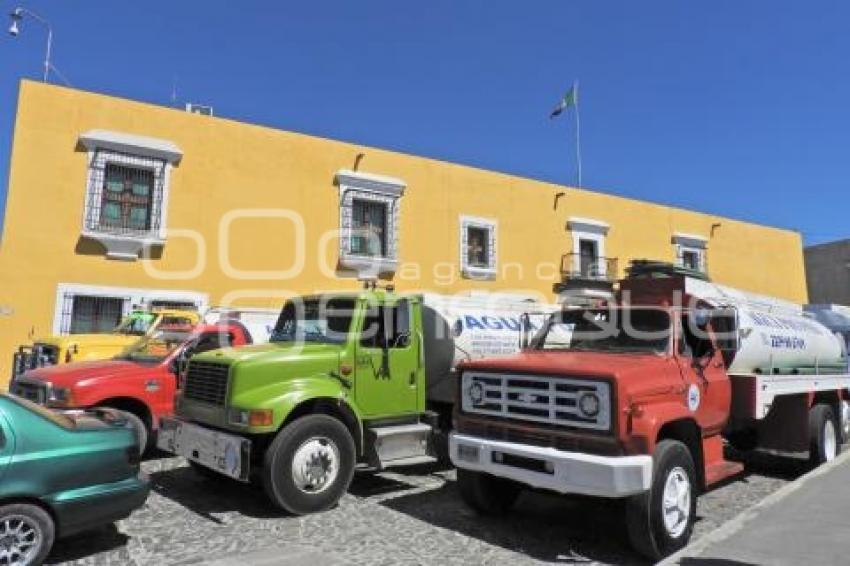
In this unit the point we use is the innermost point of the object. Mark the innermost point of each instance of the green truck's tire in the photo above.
(309, 465)
(30, 530)
(660, 521)
(487, 494)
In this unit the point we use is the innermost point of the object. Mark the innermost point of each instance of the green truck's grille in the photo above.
(207, 382)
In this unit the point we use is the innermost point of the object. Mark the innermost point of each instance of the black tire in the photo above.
(278, 473)
(487, 494)
(824, 435)
(143, 433)
(37, 521)
(648, 532)
(844, 422)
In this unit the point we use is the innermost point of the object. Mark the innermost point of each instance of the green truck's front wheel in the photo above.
(309, 465)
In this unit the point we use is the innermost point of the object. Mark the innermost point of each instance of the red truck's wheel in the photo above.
(487, 494)
(825, 442)
(27, 532)
(660, 521)
(309, 465)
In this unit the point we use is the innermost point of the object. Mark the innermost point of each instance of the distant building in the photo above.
(828, 272)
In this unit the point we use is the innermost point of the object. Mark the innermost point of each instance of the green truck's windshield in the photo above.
(628, 330)
(137, 324)
(156, 347)
(314, 319)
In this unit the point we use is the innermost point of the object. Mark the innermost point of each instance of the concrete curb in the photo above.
(735, 524)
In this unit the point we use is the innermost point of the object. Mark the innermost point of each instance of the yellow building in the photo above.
(113, 202)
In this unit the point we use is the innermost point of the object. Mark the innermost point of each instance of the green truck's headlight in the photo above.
(255, 417)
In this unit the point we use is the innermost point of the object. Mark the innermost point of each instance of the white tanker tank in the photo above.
(774, 336)
(468, 327)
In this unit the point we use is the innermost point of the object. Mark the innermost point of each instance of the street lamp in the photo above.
(16, 16)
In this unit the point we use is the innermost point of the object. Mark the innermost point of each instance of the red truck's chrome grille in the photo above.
(538, 398)
(206, 382)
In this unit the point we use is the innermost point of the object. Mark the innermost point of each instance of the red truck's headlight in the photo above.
(60, 397)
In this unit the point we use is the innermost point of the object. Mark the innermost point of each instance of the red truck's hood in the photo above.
(68, 375)
(573, 364)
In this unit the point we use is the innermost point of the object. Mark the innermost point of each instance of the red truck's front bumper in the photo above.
(552, 469)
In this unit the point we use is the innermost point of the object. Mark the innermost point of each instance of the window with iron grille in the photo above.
(691, 259)
(477, 242)
(477, 247)
(691, 250)
(127, 198)
(125, 195)
(368, 228)
(369, 208)
(90, 315)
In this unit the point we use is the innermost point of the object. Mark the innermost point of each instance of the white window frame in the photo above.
(588, 229)
(690, 243)
(131, 297)
(375, 188)
(128, 150)
(491, 227)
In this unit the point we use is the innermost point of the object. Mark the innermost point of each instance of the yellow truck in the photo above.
(63, 349)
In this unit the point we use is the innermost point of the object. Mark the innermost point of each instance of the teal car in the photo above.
(60, 474)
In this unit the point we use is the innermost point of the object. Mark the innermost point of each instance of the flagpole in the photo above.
(578, 134)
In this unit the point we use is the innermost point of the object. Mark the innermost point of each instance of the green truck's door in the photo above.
(387, 374)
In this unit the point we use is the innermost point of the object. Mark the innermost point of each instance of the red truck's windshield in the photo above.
(617, 330)
(156, 347)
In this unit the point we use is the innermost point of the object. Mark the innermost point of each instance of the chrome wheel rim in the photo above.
(20, 539)
(676, 502)
(830, 441)
(315, 465)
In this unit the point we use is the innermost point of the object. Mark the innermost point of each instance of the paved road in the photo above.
(391, 518)
(802, 523)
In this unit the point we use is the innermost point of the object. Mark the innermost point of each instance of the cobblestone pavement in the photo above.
(415, 517)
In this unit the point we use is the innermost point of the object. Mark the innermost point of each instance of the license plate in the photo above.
(468, 453)
(227, 454)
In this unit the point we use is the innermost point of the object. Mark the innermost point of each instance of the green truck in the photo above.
(347, 380)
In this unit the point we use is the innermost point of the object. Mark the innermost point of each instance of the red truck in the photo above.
(637, 400)
(141, 381)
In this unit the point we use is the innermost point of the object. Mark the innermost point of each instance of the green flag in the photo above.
(569, 99)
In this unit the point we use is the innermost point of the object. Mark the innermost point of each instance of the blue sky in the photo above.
(734, 108)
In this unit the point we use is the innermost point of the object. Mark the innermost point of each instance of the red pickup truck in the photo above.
(141, 381)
